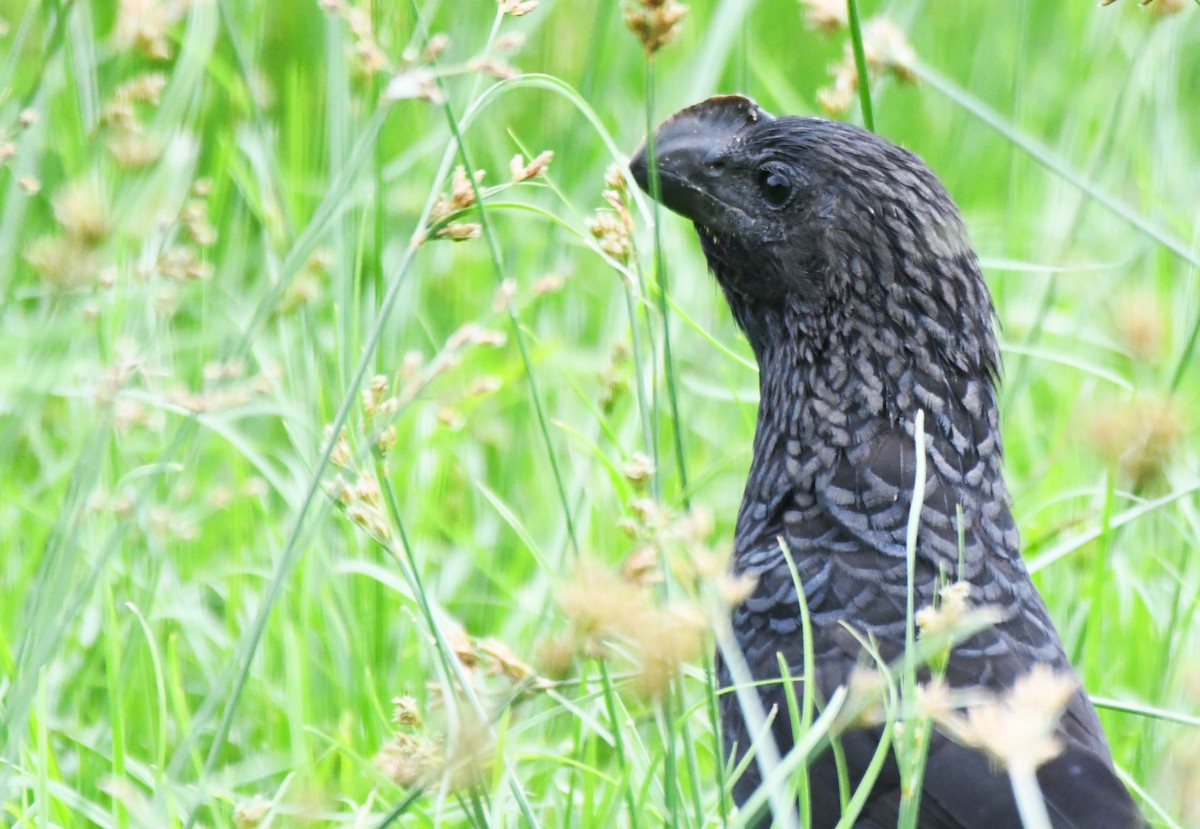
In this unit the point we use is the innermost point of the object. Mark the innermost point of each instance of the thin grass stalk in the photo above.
(1189, 348)
(608, 692)
(116, 711)
(257, 116)
(1030, 803)
(798, 785)
(660, 269)
(451, 665)
(1069, 227)
(912, 768)
(489, 235)
(860, 65)
(746, 689)
(240, 666)
(714, 716)
(689, 753)
(1122, 518)
(662, 711)
(810, 671)
(1052, 162)
(400, 808)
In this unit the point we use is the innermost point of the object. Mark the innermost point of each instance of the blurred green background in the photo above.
(217, 233)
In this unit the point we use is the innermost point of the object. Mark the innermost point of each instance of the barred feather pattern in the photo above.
(864, 303)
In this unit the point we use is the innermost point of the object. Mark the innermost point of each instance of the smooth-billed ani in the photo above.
(846, 264)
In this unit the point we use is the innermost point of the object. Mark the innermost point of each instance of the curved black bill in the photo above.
(687, 147)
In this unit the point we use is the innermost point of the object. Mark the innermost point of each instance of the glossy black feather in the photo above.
(848, 267)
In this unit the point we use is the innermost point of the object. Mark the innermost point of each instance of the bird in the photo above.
(848, 267)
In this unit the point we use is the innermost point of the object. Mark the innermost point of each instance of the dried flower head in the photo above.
(827, 16)
(654, 22)
(556, 653)
(935, 700)
(548, 284)
(459, 231)
(470, 752)
(1140, 437)
(196, 224)
(1017, 728)
(614, 179)
(642, 567)
(517, 8)
(505, 294)
(63, 262)
(248, 814)
(523, 172)
(836, 98)
(462, 196)
(864, 706)
(1163, 8)
(1141, 325)
(605, 610)
(668, 638)
(405, 712)
(409, 759)
(132, 148)
(613, 377)
(493, 66)
(599, 605)
(949, 613)
(436, 45)
(504, 662)
(610, 232)
(386, 440)
(413, 83)
(509, 42)
(462, 193)
(639, 468)
(887, 51)
(146, 88)
(735, 589)
(143, 25)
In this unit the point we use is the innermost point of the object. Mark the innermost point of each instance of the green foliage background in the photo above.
(194, 289)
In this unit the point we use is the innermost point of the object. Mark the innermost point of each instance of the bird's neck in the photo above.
(883, 356)
(834, 379)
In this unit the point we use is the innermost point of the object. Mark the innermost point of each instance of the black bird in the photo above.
(848, 267)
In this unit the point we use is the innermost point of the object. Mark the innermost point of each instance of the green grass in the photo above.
(196, 288)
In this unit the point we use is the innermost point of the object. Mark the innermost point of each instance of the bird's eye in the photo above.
(776, 187)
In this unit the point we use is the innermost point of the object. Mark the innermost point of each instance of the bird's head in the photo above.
(820, 217)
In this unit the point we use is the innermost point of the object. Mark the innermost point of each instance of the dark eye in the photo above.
(775, 185)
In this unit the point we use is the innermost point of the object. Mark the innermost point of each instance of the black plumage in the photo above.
(848, 267)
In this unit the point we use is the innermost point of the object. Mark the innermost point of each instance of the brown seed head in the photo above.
(1017, 728)
(409, 759)
(405, 712)
(1140, 437)
(639, 468)
(523, 172)
(887, 51)
(610, 232)
(827, 16)
(654, 22)
(248, 814)
(460, 231)
(669, 637)
(1141, 325)
(517, 8)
